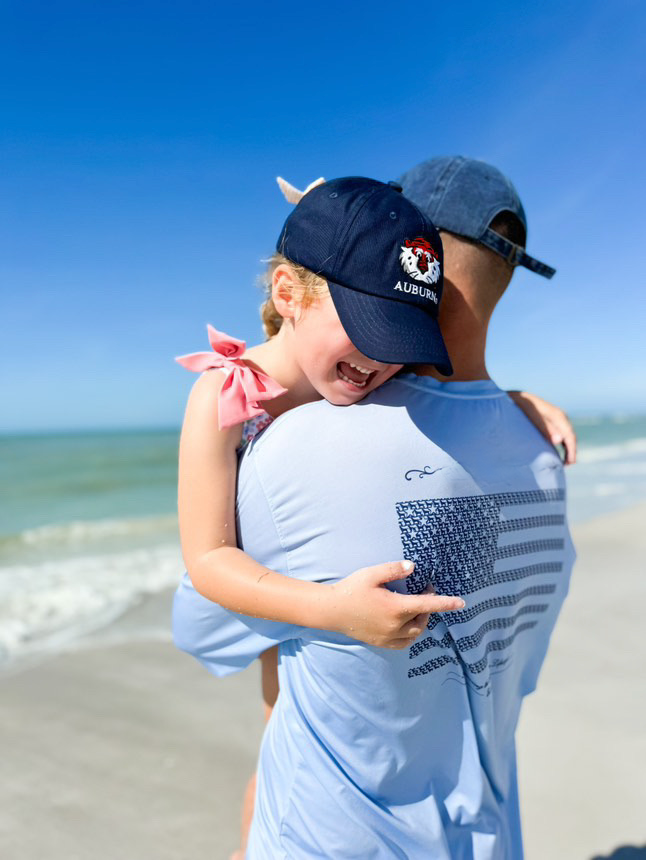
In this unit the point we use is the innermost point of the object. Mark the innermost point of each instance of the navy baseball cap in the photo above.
(383, 261)
(463, 196)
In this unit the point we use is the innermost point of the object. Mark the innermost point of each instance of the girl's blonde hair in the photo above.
(308, 287)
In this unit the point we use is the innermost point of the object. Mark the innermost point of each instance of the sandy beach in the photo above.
(125, 748)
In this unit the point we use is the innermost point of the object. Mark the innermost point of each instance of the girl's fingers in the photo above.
(563, 433)
(569, 443)
(389, 571)
(401, 643)
(411, 630)
(427, 603)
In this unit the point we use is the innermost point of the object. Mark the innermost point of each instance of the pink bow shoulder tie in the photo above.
(244, 387)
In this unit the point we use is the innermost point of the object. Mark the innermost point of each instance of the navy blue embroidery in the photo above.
(521, 573)
(471, 612)
(532, 523)
(421, 472)
(479, 665)
(455, 544)
(472, 641)
(528, 547)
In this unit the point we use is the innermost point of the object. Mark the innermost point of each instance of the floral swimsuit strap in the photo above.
(244, 387)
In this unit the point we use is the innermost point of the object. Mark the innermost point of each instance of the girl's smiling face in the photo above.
(316, 356)
(328, 358)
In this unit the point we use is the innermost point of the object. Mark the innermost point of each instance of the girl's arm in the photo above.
(550, 420)
(223, 573)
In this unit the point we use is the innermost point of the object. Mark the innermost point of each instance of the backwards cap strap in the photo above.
(514, 254)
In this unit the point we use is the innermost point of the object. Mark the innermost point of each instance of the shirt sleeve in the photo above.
(225, 642)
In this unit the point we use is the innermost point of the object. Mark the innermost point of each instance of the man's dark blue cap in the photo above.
(383, 261)
(463, 196)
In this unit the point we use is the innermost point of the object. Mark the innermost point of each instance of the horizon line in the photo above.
(576, 415)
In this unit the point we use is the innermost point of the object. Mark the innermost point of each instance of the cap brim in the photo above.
(390, 331)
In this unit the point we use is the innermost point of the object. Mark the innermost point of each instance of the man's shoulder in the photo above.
(310, 421)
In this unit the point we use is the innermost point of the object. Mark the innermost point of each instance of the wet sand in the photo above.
(582, 736)
(125, 748)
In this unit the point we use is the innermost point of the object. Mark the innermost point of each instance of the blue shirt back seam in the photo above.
(270, 505)
(474, 396)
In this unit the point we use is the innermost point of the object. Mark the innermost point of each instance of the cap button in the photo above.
(395, 185)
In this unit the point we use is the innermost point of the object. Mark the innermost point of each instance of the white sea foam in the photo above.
(84, 531)
(635, 469)
(604, 418)
(600, 453)
(608, 489)
(44, 604)
(607, 477)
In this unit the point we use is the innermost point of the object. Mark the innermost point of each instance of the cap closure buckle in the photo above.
(513, 257)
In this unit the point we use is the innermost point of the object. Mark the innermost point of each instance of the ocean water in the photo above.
(88, 525)
(610, 473)
(87, 529)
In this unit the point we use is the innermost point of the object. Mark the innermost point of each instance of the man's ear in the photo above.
(285, 296)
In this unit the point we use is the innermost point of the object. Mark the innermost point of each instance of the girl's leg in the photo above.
(270, 690)
(269, 669)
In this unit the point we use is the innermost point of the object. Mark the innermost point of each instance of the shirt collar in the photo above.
(472, 388)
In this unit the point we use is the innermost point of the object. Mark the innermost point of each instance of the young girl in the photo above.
(367, 240)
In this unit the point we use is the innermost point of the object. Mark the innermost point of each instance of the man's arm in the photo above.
(223, 642)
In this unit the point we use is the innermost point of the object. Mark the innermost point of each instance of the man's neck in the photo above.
(465, 341)
(474, 280)
(471, 376)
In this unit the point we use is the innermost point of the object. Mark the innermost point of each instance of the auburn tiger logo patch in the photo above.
(419, 259)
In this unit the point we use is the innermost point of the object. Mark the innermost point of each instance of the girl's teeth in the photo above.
(360, 369)
(351, 381)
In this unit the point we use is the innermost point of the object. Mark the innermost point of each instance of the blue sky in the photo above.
(140, 142)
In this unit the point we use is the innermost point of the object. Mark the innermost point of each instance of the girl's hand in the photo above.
(550, 420)
(360, 607)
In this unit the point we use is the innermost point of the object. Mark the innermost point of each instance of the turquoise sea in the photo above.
(88, 524)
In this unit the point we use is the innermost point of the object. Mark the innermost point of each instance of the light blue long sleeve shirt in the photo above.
(377, 753)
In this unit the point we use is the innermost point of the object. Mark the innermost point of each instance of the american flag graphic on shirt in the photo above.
(503, 553)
